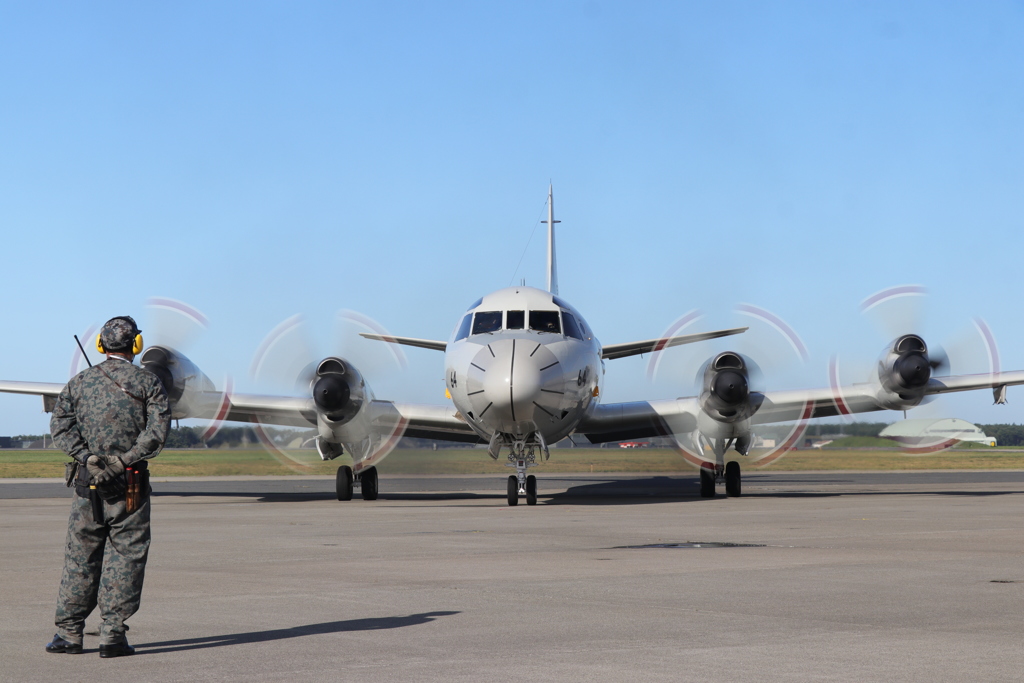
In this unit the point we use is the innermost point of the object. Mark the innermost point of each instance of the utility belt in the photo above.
(135, 489)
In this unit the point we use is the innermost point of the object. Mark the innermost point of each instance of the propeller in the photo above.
(899, 314)
(336, 370)
(738, 376)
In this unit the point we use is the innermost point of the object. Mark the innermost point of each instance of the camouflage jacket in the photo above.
(93, 416)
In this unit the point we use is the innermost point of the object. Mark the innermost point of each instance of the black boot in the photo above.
(60, 646)
(122, 649)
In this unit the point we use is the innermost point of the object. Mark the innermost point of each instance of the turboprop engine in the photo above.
(191, 393)
(339, 391)
(727, 402)
(341, 395)
(904, 370)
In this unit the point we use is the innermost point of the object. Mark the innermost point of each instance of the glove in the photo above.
(107, 472)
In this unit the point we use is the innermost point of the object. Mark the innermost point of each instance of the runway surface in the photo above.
(809, 576)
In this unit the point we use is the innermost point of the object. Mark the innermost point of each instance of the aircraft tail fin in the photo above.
(552, 262)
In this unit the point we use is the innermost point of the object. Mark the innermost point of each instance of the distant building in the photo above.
(936, 434)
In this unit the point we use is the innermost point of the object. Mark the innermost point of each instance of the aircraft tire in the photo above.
(732, 479)
(513, 490)
(531, 490)
(707, 483)
(343, 483)
(369, 483)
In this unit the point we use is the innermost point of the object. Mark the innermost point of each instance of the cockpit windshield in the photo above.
(545, 321)
(515, 320)
(571, 328)
(486, 321)
(464, 327)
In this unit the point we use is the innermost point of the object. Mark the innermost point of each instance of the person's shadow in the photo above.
(372, 624)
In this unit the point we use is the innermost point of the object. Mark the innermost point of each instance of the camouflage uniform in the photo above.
(105, 559)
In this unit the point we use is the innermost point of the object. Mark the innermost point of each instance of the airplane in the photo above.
(523, 370)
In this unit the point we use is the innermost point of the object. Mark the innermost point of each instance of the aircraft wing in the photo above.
(421, 421)
(408, 341)
(645, 419)
(611, 351)
(48, 390)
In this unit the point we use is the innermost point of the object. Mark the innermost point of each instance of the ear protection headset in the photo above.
(137, 344)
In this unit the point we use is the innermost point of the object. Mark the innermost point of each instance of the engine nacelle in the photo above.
(345, 418)
(725, 394)
(727, 403)
(904, 370)
(339, 391)
(191, 393)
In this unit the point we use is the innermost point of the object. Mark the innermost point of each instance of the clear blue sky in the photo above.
(262, 159)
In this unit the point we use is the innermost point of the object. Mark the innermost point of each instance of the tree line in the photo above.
(240, 437)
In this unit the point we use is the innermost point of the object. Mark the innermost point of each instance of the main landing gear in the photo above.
(710, 474)
(345, 481)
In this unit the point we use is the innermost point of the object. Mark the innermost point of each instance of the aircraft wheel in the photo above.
(343, 482)
(707, 482)
(513, 490)
(369, 481)
(732, 479)
(531, 490)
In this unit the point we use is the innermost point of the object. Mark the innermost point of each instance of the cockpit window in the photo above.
(571, 328)
(476, 303)
(464, 327)
(545, 321)
(487, 321)
(515, 320)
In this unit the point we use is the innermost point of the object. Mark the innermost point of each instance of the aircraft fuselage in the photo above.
(524, 364)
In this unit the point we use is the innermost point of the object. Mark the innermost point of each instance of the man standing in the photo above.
(111, 418)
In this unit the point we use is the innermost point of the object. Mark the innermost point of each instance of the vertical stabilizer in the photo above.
(552, 263)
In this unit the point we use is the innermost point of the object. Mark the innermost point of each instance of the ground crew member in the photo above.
(110, 418)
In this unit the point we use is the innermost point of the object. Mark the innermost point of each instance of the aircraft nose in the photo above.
(514, 384)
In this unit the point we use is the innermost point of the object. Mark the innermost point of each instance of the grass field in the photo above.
(179, 463)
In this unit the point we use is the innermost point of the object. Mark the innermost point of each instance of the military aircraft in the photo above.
(523, 370)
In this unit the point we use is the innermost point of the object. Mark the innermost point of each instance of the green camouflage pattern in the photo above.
(118, 334)
(104, 565)
(93, 416)
(105, 560)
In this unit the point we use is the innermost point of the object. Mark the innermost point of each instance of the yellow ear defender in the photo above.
(137, 345)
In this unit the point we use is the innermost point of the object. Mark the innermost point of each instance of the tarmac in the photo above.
(808, 576)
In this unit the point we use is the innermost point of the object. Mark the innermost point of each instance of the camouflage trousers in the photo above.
(104, 564)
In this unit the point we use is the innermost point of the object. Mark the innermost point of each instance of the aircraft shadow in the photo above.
(601, 491)
(372, 624)
(630, 491)
(299, 496)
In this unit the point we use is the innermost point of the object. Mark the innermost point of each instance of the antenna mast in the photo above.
(552, 266)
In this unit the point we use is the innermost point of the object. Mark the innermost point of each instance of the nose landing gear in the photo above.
(523, 456)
